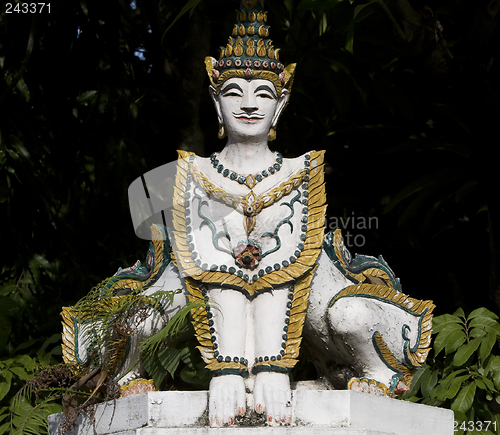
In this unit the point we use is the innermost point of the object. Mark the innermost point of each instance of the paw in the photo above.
(370, 386)
(227, 399)
(272, 395)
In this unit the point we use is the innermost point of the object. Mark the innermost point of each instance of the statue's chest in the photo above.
(248, 239)
(243, 235)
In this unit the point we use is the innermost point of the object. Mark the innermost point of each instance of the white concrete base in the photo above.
(317, 412)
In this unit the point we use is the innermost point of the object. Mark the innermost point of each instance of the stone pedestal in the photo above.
(317, 412)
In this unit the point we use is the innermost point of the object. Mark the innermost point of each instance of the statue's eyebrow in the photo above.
(265, 88)
(232, 86)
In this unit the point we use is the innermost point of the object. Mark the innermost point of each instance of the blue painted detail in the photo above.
(223, 268)
(194, 254)
(232, 270)
(258, 177)
(213, 267)
(241, 180)
(297, 253)
(285, 220)
(233, 176)
(261, 272)
(359, 263)
(292, 259)
(204, 266)
(220, 168)
(277, 266)
(303, 237)
(255, 278)
(206, 221)
(269, 269)
(265, 173)
(271, 169)
(226, 172)
(285, 263)
(414, 348)
(245, 277)
(301, 246)
(239, 273)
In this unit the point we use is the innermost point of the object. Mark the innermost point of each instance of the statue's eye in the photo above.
(265, 95)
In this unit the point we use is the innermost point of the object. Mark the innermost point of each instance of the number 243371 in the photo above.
(476, 425)
(27, 8)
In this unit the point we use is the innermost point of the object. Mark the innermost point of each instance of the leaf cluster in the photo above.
(464, 374)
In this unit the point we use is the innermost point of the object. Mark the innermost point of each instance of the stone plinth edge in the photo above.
(314, 412)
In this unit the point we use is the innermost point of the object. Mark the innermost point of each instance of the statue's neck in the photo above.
(246, 158)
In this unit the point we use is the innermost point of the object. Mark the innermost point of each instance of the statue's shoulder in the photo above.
(184, 155)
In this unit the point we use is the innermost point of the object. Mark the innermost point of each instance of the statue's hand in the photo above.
(227, 398)
(272, 395)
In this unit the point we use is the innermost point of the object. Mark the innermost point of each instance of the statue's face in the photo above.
(248, 108)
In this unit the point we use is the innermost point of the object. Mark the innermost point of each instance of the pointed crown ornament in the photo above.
(249, 53)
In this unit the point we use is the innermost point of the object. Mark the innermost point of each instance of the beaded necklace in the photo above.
(250, 180)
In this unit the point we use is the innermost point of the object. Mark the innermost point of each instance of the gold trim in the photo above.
(390, 359)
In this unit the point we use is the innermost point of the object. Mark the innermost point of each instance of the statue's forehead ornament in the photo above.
(249, 53)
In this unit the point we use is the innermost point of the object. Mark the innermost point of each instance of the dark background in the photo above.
(403, 96)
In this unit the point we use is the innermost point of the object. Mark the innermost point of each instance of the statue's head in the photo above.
(249, 85)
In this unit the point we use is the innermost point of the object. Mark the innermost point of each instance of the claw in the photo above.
(258, 408)
(230, 421)
(270, 419)
(241, 410)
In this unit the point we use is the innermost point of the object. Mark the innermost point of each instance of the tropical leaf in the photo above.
(463, 401)
(465, 352)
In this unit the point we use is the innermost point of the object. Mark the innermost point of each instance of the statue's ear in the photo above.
(282, 102)
(215, 99)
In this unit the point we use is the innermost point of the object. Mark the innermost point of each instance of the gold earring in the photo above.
(222, 131)
(272, 134)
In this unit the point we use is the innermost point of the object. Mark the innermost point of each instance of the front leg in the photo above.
(272, 393)
(227, 390)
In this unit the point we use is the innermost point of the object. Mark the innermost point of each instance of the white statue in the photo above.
(246, 229)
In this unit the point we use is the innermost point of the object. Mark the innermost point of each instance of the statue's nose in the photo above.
(249, 102)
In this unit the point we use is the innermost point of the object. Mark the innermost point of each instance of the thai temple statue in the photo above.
(243, 232)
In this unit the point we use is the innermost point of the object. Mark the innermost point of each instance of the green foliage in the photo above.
(464, 374)
(15, 371)
(164, 352)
